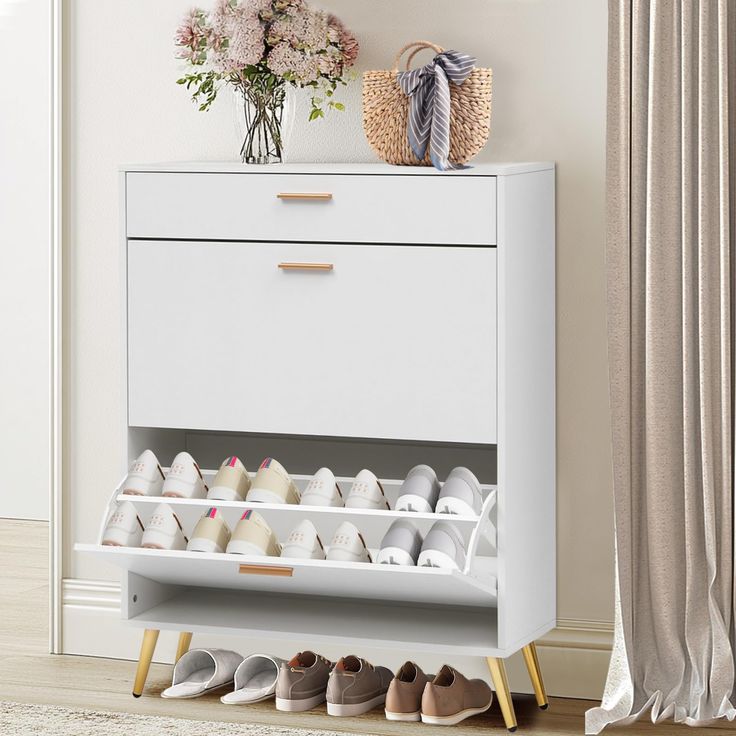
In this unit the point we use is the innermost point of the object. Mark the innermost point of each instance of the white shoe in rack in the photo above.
(164, 530)
(366, 493)
(124, 528)
(145, 477)
(322, 490)
(184, 479)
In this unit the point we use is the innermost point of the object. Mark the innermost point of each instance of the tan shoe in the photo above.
(404, 696)
(356, 686)
(451, 698)
(302, 682)
(253, 536)
(273, 484)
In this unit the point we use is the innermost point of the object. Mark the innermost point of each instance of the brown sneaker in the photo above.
(451, 698)
(302, 683)
(356, 687)
(404, 696)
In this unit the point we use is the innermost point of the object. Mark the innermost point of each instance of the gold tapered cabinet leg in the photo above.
(148, 645)
(503, 695)
(185, 639)
(532, 664)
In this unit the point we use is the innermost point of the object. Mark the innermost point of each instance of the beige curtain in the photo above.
(670, 244)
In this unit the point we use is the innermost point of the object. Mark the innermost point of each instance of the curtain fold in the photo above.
(670, 236)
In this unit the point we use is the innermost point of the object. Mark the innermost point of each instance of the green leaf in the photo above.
(339, 106)
(316, 113)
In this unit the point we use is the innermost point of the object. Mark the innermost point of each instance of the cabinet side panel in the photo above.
(526, 407)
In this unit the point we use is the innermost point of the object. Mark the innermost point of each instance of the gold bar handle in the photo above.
(306, 266)
(282, 572)
(323, 196)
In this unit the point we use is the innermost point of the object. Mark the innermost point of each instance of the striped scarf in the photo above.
(428, 89)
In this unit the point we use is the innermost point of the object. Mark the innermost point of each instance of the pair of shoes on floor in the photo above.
(146, 478)
(459, 494)
(351, 687)
(124, 528)
(442, 700)
(442, 547)
(200, 671)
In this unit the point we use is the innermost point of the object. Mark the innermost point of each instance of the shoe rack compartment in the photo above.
(475, 585)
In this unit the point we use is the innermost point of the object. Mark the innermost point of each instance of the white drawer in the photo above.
(394, 342)
(443, 210)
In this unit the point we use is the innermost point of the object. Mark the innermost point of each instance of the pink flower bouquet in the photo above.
(260, 46)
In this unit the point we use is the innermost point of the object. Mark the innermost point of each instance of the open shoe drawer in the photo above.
(475, 585)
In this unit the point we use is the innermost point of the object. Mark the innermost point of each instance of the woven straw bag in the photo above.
(386, 110)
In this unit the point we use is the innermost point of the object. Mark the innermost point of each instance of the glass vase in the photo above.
(264, 112)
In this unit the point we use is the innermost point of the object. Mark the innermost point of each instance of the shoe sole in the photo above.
(395, 556)
(261, 495)
(202, 544)
(436, 558)
(410, 502)
(455, 718)
(302, 704)
(154, 539)
(416, 716)
(355, 709)
(451, 506)
(223, 493)
(182, 489)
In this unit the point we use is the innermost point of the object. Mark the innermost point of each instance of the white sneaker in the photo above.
(322, 490)
(460, 494)
(304, 543)
(145, 477)
(273, 484)
(164, 530)
(231, 483)
(443, 547)
(211, 534)
(348, 545)
(419, 491)
(184, 479)
(253, 536)
(366, 493)
(124, 527)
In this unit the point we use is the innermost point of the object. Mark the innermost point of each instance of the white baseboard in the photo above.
(574, 657)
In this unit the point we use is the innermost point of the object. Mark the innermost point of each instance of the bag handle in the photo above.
(417, 46)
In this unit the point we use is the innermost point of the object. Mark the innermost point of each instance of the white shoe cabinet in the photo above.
(349, 316)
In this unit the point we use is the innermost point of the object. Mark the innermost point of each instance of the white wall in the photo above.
(548, 58)
(25, 200)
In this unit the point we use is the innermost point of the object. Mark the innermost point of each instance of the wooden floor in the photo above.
(28, 674)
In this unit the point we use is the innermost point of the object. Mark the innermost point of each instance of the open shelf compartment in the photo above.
(311, 621)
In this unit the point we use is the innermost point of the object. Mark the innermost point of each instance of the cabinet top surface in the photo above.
(230, 167)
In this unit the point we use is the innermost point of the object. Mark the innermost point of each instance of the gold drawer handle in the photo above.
(306, 266)
(282, 572)
(323, 196)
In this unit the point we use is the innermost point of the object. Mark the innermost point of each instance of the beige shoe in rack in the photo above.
(231, 483)
(273, 484)
(253, 536)
(211, 534)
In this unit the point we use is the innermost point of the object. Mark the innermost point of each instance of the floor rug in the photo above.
(18, 719)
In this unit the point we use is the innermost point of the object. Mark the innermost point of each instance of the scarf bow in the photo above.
(428, 89)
